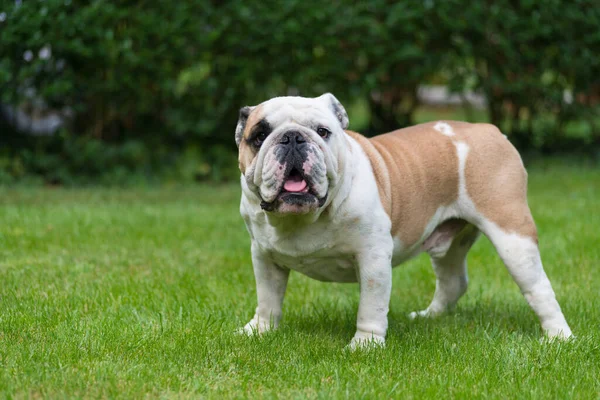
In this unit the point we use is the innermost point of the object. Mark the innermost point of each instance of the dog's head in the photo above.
(290, 149)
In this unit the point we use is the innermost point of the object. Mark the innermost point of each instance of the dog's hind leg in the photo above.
(521, 256)
(448, 246)
(493, 196)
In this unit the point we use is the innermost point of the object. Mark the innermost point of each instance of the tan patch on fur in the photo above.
(246, 153)
(416, 170)
(497, 181)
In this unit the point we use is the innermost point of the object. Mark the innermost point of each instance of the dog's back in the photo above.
(442, 164)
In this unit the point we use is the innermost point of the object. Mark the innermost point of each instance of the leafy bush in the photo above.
(78, 160)
(536, 62)
(157, 80)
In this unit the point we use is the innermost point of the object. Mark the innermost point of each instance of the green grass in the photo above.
(135, 293)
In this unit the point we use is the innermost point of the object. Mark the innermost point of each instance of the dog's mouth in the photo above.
(295, 183)
(296, 193)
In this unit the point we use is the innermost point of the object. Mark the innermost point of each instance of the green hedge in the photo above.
(165, 76)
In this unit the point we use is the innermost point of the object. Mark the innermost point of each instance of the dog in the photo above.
(330, 203)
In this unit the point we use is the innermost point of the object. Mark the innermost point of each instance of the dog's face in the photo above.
(290, 150)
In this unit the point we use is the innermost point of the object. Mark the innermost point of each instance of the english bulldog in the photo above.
(338, 207)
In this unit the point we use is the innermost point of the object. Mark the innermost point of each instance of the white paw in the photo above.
(246, 330)
(427, 313)
(254, 328)
(366, 341)
(559, 333)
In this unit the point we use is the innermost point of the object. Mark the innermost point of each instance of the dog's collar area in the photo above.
(267, 206)
(323, 199)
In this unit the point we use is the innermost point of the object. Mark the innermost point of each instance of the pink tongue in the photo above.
(295, 184)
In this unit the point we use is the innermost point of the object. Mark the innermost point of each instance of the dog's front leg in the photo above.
(375, 278)
(271, 282)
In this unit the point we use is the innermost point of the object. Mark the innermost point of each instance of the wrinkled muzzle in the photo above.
(295, 169)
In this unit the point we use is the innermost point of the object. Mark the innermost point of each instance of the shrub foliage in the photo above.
(141, 82)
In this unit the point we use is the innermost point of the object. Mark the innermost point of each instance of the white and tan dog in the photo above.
(339, 207)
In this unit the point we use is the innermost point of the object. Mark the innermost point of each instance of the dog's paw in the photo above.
(366, 341)
(254, 327)
(558, 333)
(427, 313)
(246, 331)
(418, 314)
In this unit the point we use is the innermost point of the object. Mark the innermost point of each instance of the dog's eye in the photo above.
(323, 132)
(261, 137)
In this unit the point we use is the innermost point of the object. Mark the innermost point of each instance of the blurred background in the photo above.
(118, 92)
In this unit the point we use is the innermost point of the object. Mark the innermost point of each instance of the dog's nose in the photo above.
(292, 137)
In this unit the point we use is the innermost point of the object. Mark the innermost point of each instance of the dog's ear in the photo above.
(241, 124)
(338, 109)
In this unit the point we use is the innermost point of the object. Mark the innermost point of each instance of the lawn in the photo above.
(135, 293)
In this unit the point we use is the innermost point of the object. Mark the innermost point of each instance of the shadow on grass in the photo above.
(329, 321)
(492, 319)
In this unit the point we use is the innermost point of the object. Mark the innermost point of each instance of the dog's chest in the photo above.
(317, 253)
(328, 266)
